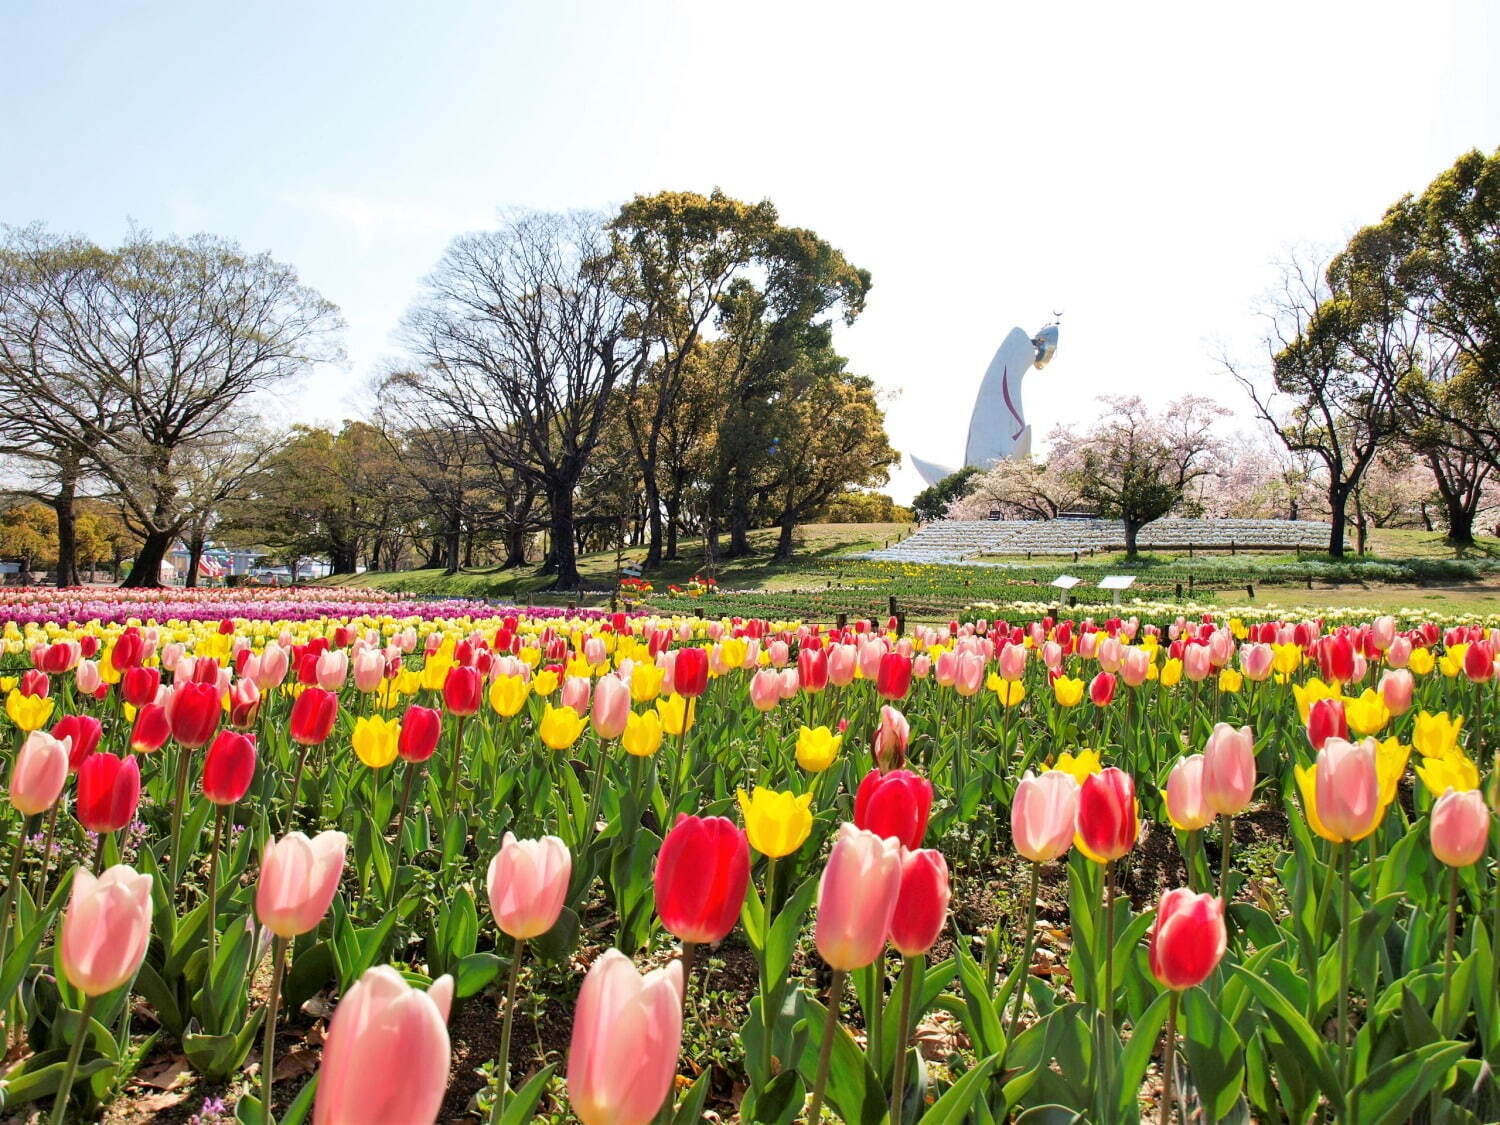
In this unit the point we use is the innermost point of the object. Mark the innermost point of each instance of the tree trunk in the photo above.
(67, 528)
(1361, 524)
(564, 557)
(515, 547)
(674, 510)
(739, 523)
(784, 542)
(1338, 500)
(195, 559)
(145, 571)
(653, 516)
(453, 545)
(1132, 529)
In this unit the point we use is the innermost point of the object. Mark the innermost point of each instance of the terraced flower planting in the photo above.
(318, 856)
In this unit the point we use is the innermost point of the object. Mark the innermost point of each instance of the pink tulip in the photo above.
(594, 652)
(1135, 666)
(946, 670)
(88, 677)
(1052, 656)
(527, 883)
(841, 665)
(788, 683)
(780, 652)
(386, 1054)
(765, 689)
(575, 694)
(627, 1032)
(1383, 632)
(1396, 688)
(970, 674)
(1229, 769)
(298, 879)
(1042, 815)
(1348, 788)
(1196, 663)
(333, 669)
(106, 928)
(921, 667)
(270, 669)
(1012, 662)
(1256, 661)
(1186, 807)
(38, 776)
(1460, 827)
(369, 669)
(1399, 654)
(870, 655)
(1111, 655)
(857, 897)
(891, 738)
(611, 707)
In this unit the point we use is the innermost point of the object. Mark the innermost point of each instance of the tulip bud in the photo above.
(894, 804)
(312, 717)
(1186, 807)
(702, 872)
(105, 929)
(109, 789)
(229, 767)
(1325, 720)
(1042, 815)
(627, 1032)
(83, 731)
(298, 879)
(922, 902)
(1229, 769)
(857, 898)
(527, 884)
(1460, 827)
(40, 770)
(1108, 815)
(1188, 938)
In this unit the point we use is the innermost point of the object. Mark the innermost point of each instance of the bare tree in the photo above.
(142, 354)
(1338, 406)
(522, 338)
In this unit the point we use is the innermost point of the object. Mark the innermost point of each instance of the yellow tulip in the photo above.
(1448, 771)
(1171, 672)
(544, 682)
(560, 727)
(676, 713)
(1421, 661)
(1286, 659)
(8, 684)
(434, 672)
(1008, 692)
(1436, 735)
(1391, 757)
(1077, 766)
(508, 695)
(817, 748)
(1451, 663)
(408, 681)
(1309, 693)
(734, 650)
(1368, 714)
(29, 712)
(375, 740)
(642, 736)
(1230, 681)
(645, 682)
(1067, 691)
(776, 823)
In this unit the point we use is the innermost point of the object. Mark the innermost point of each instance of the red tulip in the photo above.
(1336, 658)
(84, 730)
(194, 711)
(1187, 939)
(894, 804)
(152, 729)
(690, 672)
(812, 669)
(894, 678)
(420, 728)
(244, 703)
(1108, 815)
(1102, 689)
(1479, 662)
(229, 767)
(702, 871)
(463, 691)
(108, 790)
(922, 905)
(138, 686)
(313, 715)
(129, 650)
(35, 683)
(1325, 720)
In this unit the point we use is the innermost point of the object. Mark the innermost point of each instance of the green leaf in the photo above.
(1392, 1091)
(778, 1102)
(953, 1107)
(853, 1089)
(523, 1101)
(691, 1107)
(983, 1023)
(1296, 1035)
(1214, 1052)
(1137, 1057)
(782, 943)
(558, 943)
(474, 972)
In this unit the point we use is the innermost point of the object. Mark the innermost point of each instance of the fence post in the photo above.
(1190, 585)
(1250, 590)
(698, 610)
(1179, 591)
(893, 605)
(900, 624)
(840, 621)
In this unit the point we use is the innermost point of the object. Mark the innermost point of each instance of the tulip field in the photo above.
(334, 857)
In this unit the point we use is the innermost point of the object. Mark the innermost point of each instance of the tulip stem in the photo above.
(1343, 1008)
(1169, 1058)
(597, 789)
(41, 882)
(498, 1109)
(898, 1071)
(412, 769)
(825, 1049)
(184, 759)
(1107, 1001)
(297, 783)
(1023, 968)
(458, 764)
(65, 1087)
(213, 892)
(689, 955)
(273, 1006)
(1226, 842)
(1448, 950)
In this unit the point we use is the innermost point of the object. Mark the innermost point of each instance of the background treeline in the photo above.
(565, 383)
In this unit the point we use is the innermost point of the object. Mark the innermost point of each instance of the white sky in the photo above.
(1138, 167)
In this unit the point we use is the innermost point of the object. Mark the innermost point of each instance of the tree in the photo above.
(144, 353)
(1137, 466)
(28, 534)
(521, 337)
(1337, 357)
(933, 501)
(858, 505)
(1027, 489)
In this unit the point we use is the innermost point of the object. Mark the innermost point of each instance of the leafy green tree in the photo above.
(932, 502)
